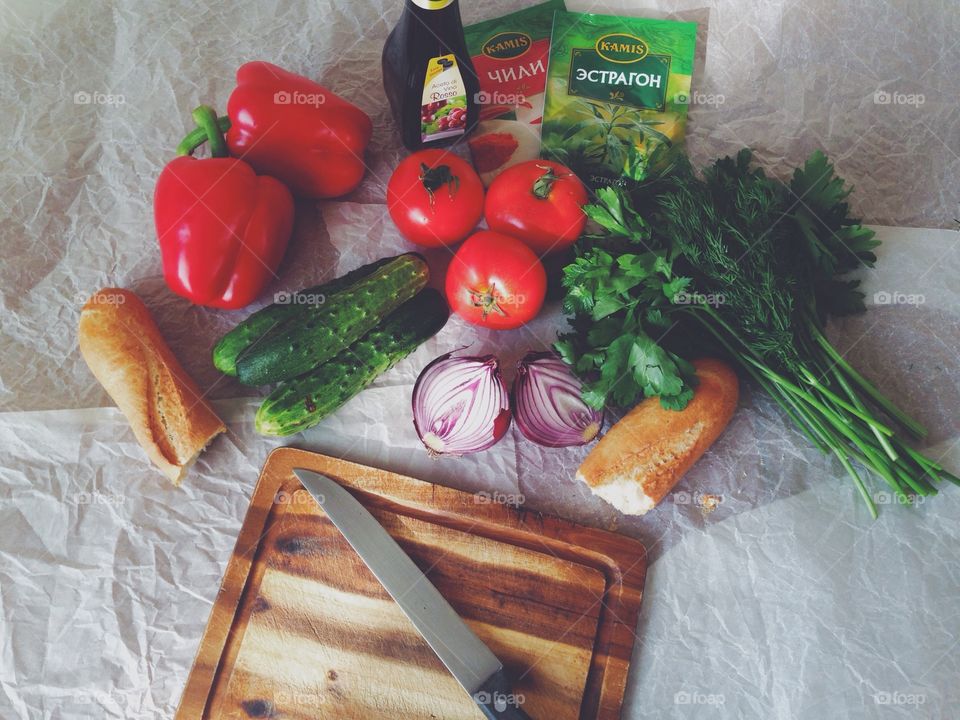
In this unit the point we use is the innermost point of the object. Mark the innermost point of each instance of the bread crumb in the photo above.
(709, 503)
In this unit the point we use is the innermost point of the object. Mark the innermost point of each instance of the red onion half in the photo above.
(547, 403)
(461, 405)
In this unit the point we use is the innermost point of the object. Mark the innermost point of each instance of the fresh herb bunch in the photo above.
(738, 262)
(620, 292)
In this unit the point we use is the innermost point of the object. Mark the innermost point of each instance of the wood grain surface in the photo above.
(302, 629)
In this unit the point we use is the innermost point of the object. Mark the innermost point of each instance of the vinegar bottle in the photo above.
(428, 76)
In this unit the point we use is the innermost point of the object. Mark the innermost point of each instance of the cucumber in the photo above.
(301, 403)
(258, 324)
(302, 342)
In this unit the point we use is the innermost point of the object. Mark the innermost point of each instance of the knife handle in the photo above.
(497, 700)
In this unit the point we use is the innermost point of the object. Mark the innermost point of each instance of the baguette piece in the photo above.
(643, 456)
(124, 349)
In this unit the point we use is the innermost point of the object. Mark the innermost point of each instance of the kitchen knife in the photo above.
(467, 658)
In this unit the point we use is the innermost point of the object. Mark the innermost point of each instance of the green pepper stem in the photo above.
(210, 129)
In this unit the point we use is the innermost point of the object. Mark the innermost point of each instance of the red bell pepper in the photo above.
(222, 229)
(297, 131)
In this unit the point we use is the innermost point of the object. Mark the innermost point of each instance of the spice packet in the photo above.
(617, 95)
(510, 55)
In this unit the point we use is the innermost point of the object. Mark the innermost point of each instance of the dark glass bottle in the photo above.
(428, 75)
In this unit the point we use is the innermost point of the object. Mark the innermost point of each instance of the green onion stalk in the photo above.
(832, 404)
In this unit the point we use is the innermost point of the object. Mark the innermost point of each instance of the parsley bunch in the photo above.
(736, 262)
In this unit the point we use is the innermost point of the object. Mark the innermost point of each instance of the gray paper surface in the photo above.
(771, 592)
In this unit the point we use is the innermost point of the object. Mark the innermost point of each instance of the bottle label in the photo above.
(432, 4)
(443, 110)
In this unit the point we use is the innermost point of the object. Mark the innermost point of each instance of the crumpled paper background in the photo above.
(784, 601)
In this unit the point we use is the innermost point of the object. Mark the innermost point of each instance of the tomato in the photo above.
(435, 198)
(540, 202)
(496, 281)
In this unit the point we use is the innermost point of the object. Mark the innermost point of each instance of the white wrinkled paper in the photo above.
(771, 593)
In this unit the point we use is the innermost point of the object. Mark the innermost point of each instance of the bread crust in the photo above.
(123, 348)
(643, 456)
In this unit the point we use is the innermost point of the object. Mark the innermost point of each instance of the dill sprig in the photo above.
(736, 261)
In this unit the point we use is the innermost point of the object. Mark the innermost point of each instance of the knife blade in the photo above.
(465, 655)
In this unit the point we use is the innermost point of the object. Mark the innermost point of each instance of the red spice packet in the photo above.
(510, 55)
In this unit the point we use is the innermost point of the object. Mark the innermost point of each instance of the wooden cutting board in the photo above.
(302, 629)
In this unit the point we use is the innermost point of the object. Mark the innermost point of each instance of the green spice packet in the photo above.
(510, 55)
(617, 94)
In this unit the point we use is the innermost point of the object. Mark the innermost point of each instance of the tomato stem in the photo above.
(434, 178)
(544, 183)
(486, 300)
